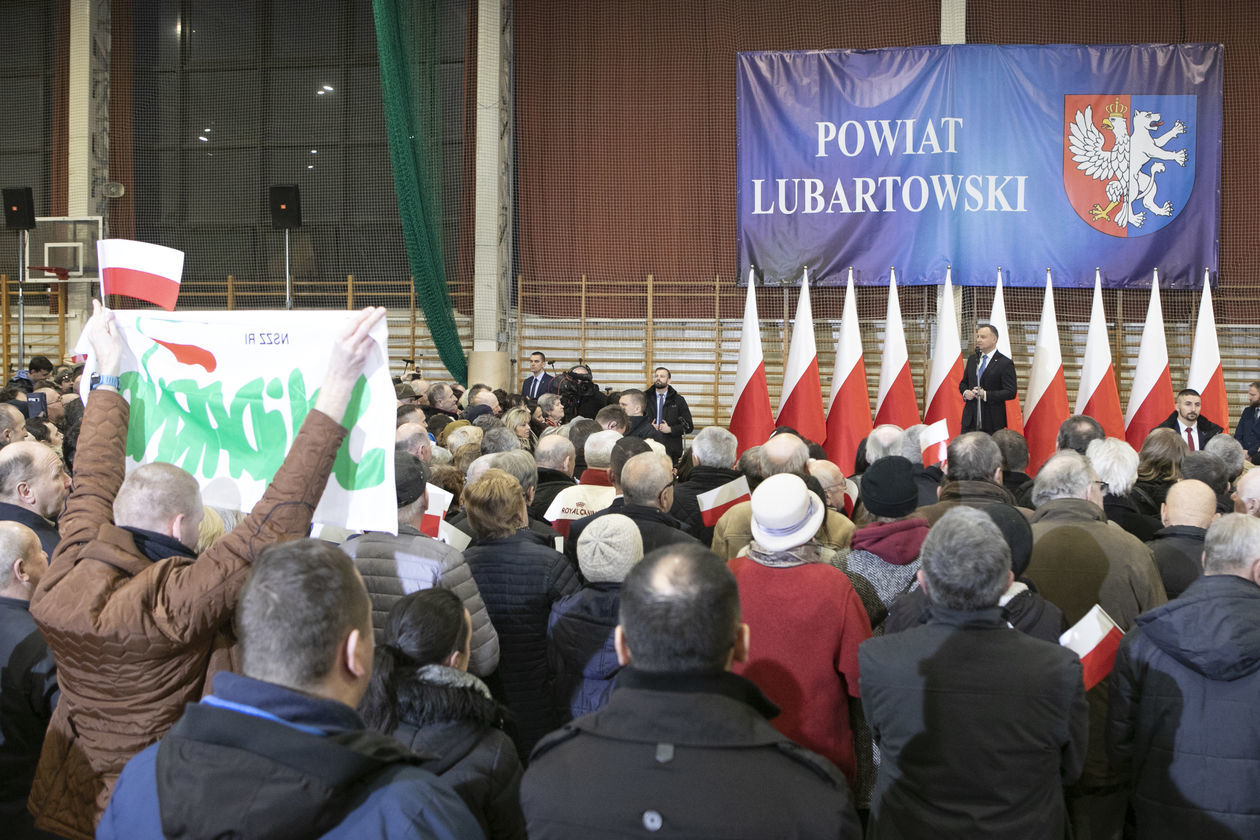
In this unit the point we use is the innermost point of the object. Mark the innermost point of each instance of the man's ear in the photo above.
(919, 576)
(358, 655)
(997, 476)
(175, 528)
(620, 646)
(1163, 513)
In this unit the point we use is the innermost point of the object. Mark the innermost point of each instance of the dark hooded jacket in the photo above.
(278, 764)
(450, 714)
(686, 507)
(1182, 720)
(580, 648)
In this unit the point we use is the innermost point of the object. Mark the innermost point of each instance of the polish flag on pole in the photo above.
(801, 404)
(751, 420)
(1206, 375)
(897, 403)
(439, 502)
(1095, 639)
(1151, 396)
(1046, 407)
(849, 405)
(1098, 396)
(721, 499)
(944, 400)
(997, 317)
(934, 443)
(140, 270)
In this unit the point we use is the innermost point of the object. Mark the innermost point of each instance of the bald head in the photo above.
(832, 480)
(160, 497)
(32, 476)
(783, 453)
(644, 479)
(22, 561)
(413, 438)
(555, 452)
(12, 424)
(1247, 493)
(1189, 502)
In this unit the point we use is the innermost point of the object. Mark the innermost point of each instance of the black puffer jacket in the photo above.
(1182, 720)
(580, 648)
(686, 508)
(450, 714)
(520, 578)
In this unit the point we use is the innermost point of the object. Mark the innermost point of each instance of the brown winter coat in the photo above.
(132, 638)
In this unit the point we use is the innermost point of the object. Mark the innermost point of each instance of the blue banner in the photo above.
(973, 157)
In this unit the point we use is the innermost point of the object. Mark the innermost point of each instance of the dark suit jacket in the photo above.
(1000, 384)
(1205, 427)
(1247, 432)
(543, 387)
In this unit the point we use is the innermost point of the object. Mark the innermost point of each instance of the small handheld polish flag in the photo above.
(721, 499)
(140, 270)
(1095, 639)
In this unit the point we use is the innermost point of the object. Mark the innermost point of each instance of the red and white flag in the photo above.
(1046, 407)
(439, 502)
(934, 443)
(1206, 375)
(1151, 395)
(801, 403)
(140, 270)
(997, 317)
(751, 420)
(1098, 395)
(944, 400)
(1095, 639)
(849, 404)
(721, 499)
(897, 403)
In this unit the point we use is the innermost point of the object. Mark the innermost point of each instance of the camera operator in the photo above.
(578, 393)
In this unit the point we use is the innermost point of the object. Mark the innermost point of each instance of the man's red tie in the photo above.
(1190, 437)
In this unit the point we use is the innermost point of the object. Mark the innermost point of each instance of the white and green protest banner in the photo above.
(222, 395)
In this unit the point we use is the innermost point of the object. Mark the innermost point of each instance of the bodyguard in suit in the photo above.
(988, 382)
(1247, 431)
(538, 382)
(1192, 427)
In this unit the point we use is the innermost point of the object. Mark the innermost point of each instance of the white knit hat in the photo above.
(607, 547)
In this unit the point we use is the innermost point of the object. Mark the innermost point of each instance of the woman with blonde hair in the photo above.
(517, 422)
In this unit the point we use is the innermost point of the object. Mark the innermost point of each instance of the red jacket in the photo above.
(805, 624)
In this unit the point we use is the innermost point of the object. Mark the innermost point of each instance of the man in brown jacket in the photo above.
(130, 613)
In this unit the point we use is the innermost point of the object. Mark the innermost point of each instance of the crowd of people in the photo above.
(588, 646)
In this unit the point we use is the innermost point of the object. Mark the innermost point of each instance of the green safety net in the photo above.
(407, 33)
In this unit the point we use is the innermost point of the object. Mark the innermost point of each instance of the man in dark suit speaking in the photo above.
(988, 382)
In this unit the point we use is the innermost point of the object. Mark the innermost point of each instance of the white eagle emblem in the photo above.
(1125, 165)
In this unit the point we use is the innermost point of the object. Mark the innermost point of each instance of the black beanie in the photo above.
(1016, 531)
(888, 487)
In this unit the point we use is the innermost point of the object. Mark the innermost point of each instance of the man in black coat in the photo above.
(1247, 432)
(988, 382)
(555, 457)
(34, 486)
(713, 456)
(979, 726)
(683, 746)
(669, 412)
(29, 688)
(1178, 546)
(1182, 719)
(1192, 427)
